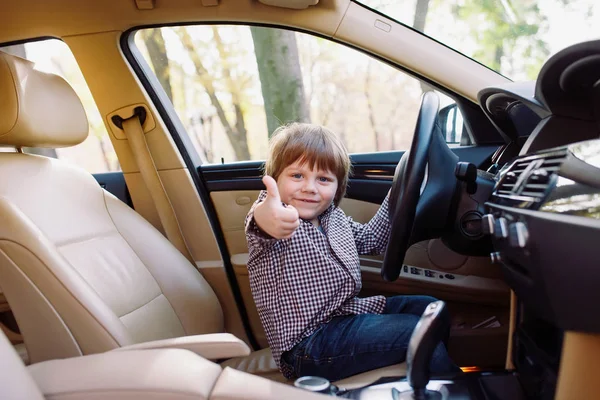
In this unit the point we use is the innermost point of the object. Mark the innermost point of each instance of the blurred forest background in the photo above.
(232, 85)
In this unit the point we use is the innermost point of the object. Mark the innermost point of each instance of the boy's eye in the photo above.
(325, 179)
(296, 176)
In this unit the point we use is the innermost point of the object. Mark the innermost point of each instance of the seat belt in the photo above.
(132, 127)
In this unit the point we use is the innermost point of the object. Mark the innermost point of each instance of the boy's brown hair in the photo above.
(312, 144)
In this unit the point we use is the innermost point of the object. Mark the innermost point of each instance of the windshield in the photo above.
(512, 37)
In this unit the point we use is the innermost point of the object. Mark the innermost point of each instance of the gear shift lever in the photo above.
(426, 336)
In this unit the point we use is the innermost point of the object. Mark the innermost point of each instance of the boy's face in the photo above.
(310, 191)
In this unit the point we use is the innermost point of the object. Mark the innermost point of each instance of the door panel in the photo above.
(239, 262)
(476, 293)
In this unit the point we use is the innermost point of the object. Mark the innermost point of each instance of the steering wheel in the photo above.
(406, 187)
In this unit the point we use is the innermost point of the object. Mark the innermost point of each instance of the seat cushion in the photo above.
(261, 363)
(22, 352)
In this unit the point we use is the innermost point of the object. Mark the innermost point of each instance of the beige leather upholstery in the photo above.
(134, 131)
(154, 374)
(236, 385)
(15, 382)
(86, 265)
(213, 346)
(134, 375)
(29, 100)
(259, 363)
(82, 271)
(169, 374)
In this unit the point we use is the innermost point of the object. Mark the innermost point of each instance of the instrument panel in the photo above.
(544, 220)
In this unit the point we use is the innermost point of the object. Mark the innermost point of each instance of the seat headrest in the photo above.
(38, 109)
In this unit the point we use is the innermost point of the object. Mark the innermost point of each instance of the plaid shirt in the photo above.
(302, 282)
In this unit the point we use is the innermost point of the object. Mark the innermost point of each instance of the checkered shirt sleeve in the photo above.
(302, 282)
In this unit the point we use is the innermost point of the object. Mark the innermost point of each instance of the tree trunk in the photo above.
(370, 106)
(155, 43)
(237, 132)
(280, 76)
(498, 54)
(421, 10)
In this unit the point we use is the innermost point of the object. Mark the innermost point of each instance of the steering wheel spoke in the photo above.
(407, 187)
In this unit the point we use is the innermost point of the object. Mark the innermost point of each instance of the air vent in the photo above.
(538, 180)
(511, 178)
(530, 177)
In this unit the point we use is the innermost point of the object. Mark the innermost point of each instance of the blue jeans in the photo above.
(351, 344)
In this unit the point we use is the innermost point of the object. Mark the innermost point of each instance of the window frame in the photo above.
(174, 125)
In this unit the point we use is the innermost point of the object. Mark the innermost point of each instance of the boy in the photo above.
(304, 268)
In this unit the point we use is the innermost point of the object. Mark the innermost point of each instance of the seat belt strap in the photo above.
(139, 147)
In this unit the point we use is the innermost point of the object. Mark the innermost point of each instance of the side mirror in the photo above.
(453, 126)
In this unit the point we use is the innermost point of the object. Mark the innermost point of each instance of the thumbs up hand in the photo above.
(272, 216)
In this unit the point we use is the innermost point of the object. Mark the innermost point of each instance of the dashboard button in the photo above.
(518, 235)
(449, 276)
(501, 228)
(487, 224)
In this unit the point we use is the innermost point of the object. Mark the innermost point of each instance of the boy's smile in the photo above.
(310, 191)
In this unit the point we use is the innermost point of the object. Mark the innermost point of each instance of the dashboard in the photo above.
(544, 218)
(543, 215)
(544, 211)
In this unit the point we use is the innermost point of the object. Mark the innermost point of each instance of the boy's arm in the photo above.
(372, 237)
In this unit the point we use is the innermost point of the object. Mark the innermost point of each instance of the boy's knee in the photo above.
(424, 301)
(428, 299)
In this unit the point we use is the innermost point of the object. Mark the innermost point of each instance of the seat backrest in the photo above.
(82, 272)
(15, 381)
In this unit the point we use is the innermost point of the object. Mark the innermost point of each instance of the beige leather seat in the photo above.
(135, 375)
(84, 273)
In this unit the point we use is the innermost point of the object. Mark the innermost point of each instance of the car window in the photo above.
(231, 86)
(96, 154)
(514, 38)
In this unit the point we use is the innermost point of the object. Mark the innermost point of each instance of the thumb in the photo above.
(272, 191)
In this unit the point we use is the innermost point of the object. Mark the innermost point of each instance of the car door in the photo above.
(373, 107)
